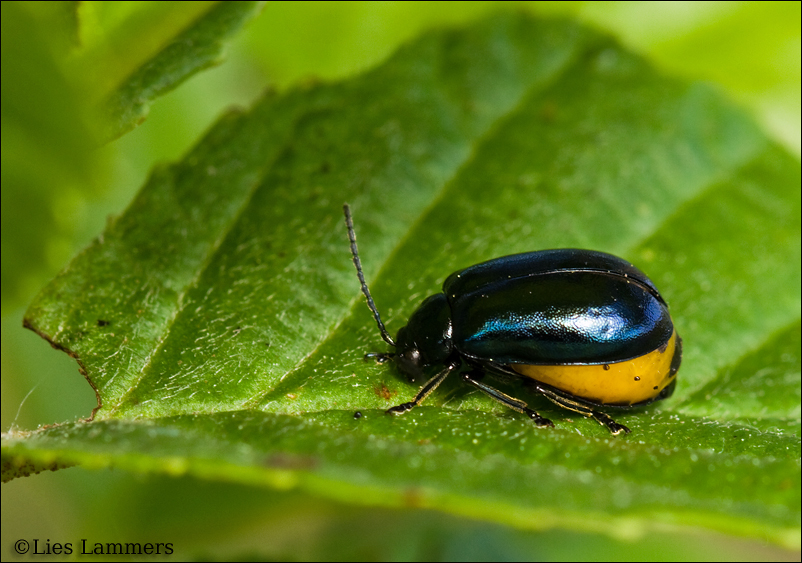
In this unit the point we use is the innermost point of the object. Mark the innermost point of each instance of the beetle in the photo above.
(585, 329)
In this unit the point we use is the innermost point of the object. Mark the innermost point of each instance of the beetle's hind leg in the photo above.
(425, 391)
(473, 378)
(598, 416)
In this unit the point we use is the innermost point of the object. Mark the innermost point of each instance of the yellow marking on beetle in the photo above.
(622, 383)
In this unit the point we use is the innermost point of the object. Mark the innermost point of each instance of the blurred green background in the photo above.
(58, 192)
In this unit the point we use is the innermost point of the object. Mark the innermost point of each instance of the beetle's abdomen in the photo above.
(560, 318)
(624, 383)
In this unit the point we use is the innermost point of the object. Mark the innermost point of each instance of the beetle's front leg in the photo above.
(425, 391)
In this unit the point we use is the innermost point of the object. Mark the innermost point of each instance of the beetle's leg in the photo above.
(599, 417)
(425, 391)
(472, 377)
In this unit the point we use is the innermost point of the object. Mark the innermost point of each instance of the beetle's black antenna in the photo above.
(352, 237)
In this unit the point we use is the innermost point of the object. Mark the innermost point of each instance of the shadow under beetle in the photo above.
(585, 328)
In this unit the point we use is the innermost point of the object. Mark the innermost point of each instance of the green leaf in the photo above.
(64, 62)
(220, 322)
(152, 51)
(46, 155)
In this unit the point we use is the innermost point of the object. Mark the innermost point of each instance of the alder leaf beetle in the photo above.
(586, 329)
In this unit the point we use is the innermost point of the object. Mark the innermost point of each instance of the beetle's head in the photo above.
(426, 340)
(408, 357)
